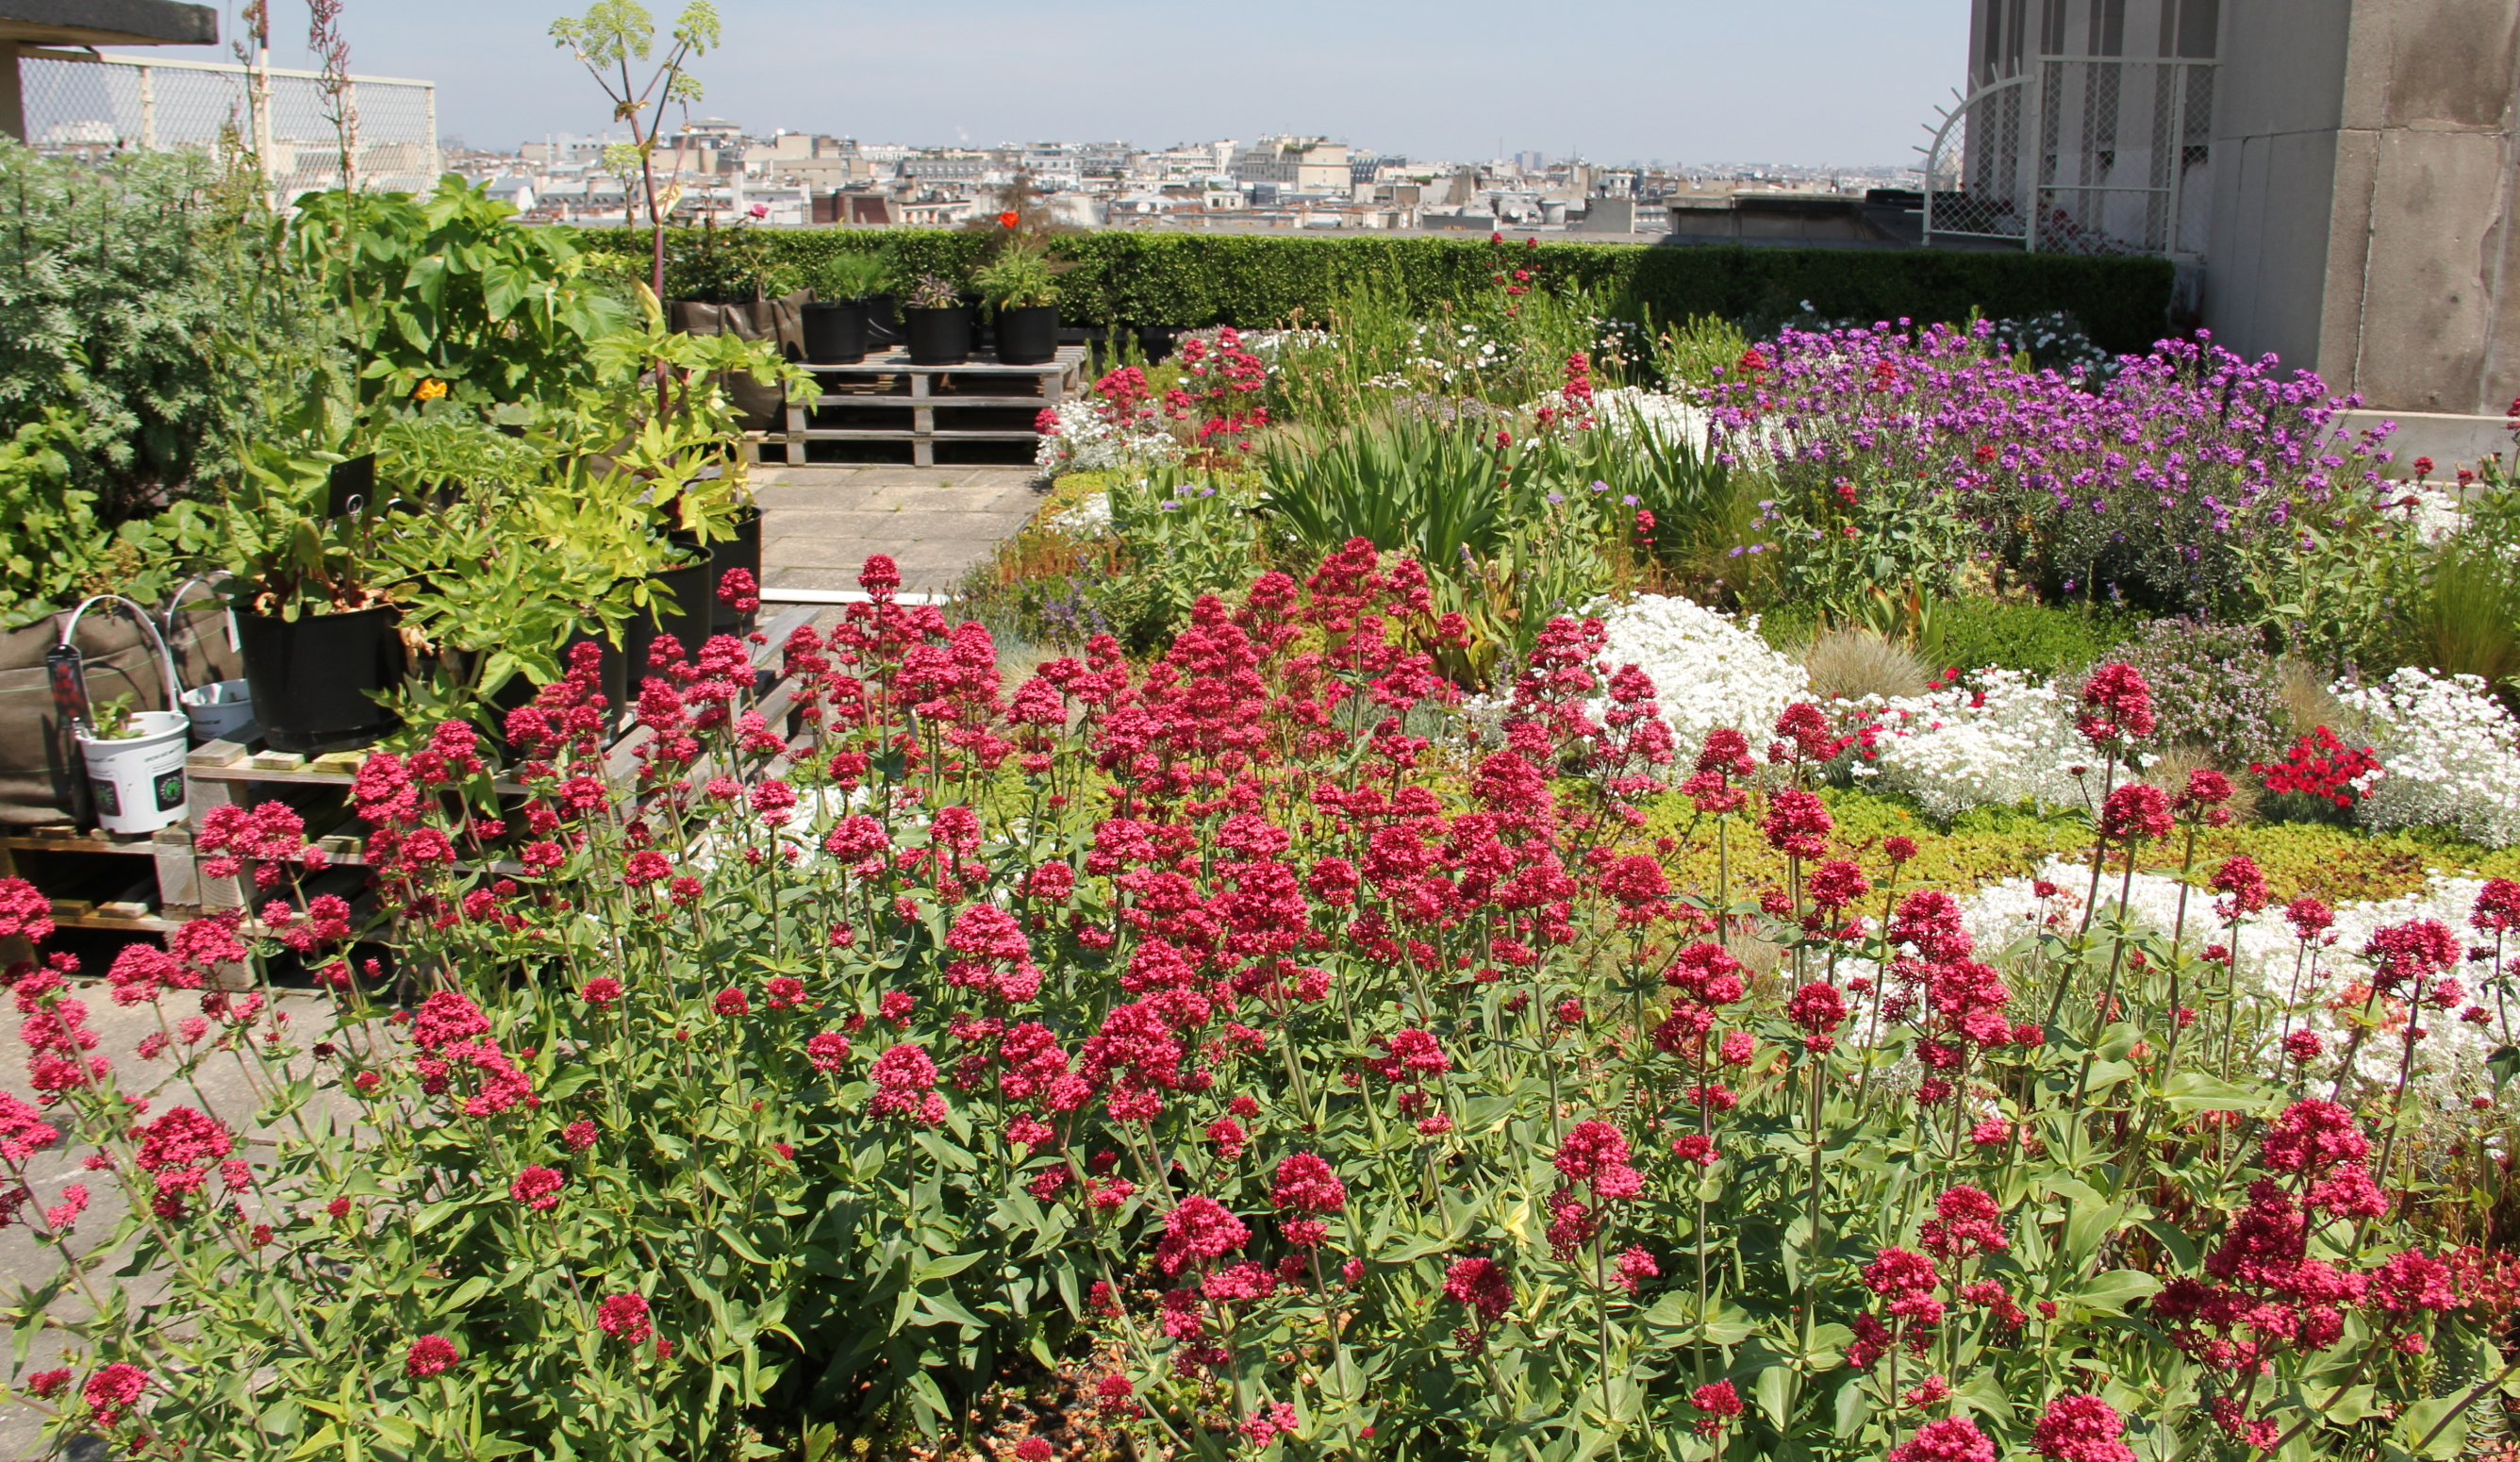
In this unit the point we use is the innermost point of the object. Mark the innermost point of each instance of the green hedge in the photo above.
(1258, 280)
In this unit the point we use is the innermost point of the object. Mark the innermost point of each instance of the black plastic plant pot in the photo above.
(836, 334)
(937, 336)
(884, 321)
(1028, 337)
(678, 605)
(742, 551)
(314, 677)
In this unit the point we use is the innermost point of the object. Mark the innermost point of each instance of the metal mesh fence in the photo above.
(2079, 156)
(111, 104)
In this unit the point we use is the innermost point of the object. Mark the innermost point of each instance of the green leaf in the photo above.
(1853, 1407)
(2425, 1419)
(939, 1268)
(2117, 1289)
(1774, 1391)
(945, 1309)
(2195, 1091)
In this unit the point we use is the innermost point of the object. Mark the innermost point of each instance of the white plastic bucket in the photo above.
(218, 708)
(138, 780)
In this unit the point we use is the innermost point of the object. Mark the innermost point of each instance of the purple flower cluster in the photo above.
(2143, 487)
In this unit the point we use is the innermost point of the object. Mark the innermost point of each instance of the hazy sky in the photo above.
(1819, 81)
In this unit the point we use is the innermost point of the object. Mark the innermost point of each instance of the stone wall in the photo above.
(2365, 173)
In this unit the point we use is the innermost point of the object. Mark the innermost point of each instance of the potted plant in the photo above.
(936, 323)
(835, 321)
(295, 536)
(507, 561)
(134, 758)
(1021, 291)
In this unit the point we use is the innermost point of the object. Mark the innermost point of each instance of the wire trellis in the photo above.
(2079, 155)
(95, 105)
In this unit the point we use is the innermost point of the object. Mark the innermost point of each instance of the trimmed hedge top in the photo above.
(1254, 281)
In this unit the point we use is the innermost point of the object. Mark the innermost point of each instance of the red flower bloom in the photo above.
(429, 1355)
(624, 1317)
(537, 1188)
(1954, 1439)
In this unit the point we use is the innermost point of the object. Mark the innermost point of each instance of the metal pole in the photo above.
(2035, 124)
(148, 109)
(2178, 180)
(437, 160)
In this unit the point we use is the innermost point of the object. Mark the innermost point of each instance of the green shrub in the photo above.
(1247, 280)
(1972, 631)
(114, 275)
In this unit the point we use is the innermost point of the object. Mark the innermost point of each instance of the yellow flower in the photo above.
(429, 389)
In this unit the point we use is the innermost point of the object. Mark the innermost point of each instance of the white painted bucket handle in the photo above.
(175, 602)
(165, 661)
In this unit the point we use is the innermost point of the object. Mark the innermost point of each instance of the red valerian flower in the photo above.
(112, 1392)
(1797, 824)
(1305, 1183)
(827, 1050)
(905, 1079)
(1481, 1285)
(601, 991)
(1954, 1439)
(1966, 1221)
(624, 1317)
(2137, 810)
(429, 1355)
(1199, 1228)
(537, 1188)
(1716, 1403)
(2417, 950)
(2117, 706)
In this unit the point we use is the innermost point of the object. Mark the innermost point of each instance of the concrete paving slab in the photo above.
(820, 523)
(218, 1084)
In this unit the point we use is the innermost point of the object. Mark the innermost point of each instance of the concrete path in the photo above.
(218, 1084)
(819, 522)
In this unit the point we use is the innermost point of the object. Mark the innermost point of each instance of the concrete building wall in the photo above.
(2364, 174)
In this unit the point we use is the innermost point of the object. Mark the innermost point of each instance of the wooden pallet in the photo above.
(891, 384)
(242, 771)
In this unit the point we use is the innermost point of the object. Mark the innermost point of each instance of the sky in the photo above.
(1843, 83)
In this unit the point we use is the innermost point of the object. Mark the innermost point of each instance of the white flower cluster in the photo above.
(2434, 512)
(1708, 670)
(2449, 755)
(1086, 442)
(2008, 739)
(2313, 988)
(1630, 410)
(1090, 519)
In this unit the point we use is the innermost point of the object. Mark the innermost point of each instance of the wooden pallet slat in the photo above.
(1057, 379)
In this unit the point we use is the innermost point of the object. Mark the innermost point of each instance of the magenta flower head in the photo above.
(2080, 1428)
(429, 1355)
(2117, 706)
(2137, 811)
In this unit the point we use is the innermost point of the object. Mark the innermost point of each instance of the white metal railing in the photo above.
(2079, 155)
(81, 101)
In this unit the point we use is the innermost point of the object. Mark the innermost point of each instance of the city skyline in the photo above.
(1795, 84)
